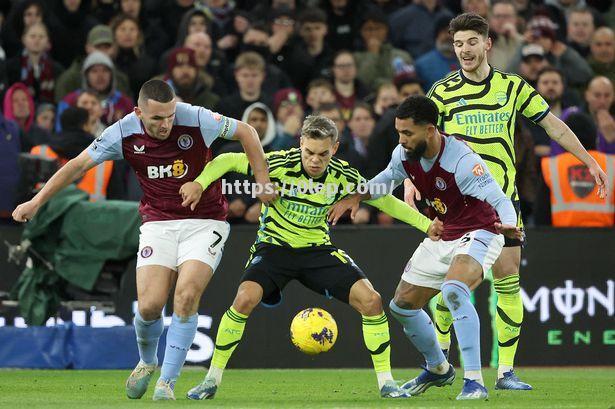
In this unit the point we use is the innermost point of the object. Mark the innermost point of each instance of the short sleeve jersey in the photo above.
(163, 166)
(484, 114)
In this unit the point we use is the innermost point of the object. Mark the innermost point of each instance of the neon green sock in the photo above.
(509, 317)
(229, 334)
(378, 341)
(443, 320)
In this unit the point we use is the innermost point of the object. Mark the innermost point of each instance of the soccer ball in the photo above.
(313, 331)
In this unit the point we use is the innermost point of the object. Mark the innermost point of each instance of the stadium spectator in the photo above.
(504, 33)
(319, 91)
(156, 40)
(342, 22)
(34, 67)
(348, 88)
(45, 116)
(42, 128)
(580, 29)
(551, 85)
(533, 61)
(88, 101)
(193, 21)
(313, 30)
(256, 39)
(130, 56)
(188, 82)
(243, 208)
(408, 84)
(19, 106)
(346, 150)
(286, 50)
(73, 25)
(211, 62)
(380, 61)
(480, 7)
(602, 58)
(361, 125)
(168, 14)
(386, 97)
(441, 60)
(23, 14)
(289, 114)
(412, 27)
(598, 104)
(249, 75)
(98, 76)
(567, 194)
(100, 38)
(541, 31)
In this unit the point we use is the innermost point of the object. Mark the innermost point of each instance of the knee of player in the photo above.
(150, 310)
(406, 303)
(246, 301)
(185, 299)
(370, 303)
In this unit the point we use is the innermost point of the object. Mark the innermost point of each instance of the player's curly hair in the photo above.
(420, 109)
(469, 22)
(319, 127)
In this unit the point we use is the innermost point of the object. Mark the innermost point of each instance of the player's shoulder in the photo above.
(194, 115)
(344, 169)
(125, 127)
(444, 85)
(455, 150)
(283, 158)
(507, 77)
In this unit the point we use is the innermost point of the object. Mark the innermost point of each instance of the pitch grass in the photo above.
(301, 388)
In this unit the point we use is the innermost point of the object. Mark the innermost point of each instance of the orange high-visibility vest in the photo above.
(94, 182)
(574, 199)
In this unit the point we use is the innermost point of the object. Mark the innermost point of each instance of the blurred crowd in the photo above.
(69, 68)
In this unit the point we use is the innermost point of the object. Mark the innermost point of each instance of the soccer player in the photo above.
(462, 193)
(481, 104)
(166, 142)
(293, 243)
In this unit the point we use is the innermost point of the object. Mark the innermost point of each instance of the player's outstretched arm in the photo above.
(227, 162)
(73, 170)
(250, 141)
(562, 134)
(401, 211)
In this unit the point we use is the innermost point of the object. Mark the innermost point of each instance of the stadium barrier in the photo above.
(568, 281)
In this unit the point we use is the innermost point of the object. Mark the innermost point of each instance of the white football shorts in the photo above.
(431, 260)
(169, 243)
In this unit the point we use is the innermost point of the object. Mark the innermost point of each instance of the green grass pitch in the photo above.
(302, 388)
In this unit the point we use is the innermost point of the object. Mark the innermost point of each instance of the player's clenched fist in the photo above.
(191, 194)
(25, 211)
(436, 228)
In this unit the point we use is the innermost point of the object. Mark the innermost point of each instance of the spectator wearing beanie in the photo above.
(98, 77)
(100, 38)
(288, 111)
(188, 82)
(19, 106)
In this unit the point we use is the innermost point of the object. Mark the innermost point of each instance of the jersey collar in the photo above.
(469, 81)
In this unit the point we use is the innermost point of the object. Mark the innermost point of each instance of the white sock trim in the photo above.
(475, 376)
(503, 369)
(216, 373)
(383, 377)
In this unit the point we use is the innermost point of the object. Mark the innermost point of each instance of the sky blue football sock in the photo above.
(148, 334)
(179, 339)
(465, 319)
(420, 331)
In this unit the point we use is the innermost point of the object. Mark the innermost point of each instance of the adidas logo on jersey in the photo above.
(462, 102)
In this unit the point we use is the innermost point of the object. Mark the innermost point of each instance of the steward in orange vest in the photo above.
(70, 143)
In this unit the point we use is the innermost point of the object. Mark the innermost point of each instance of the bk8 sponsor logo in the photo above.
(178, 170)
